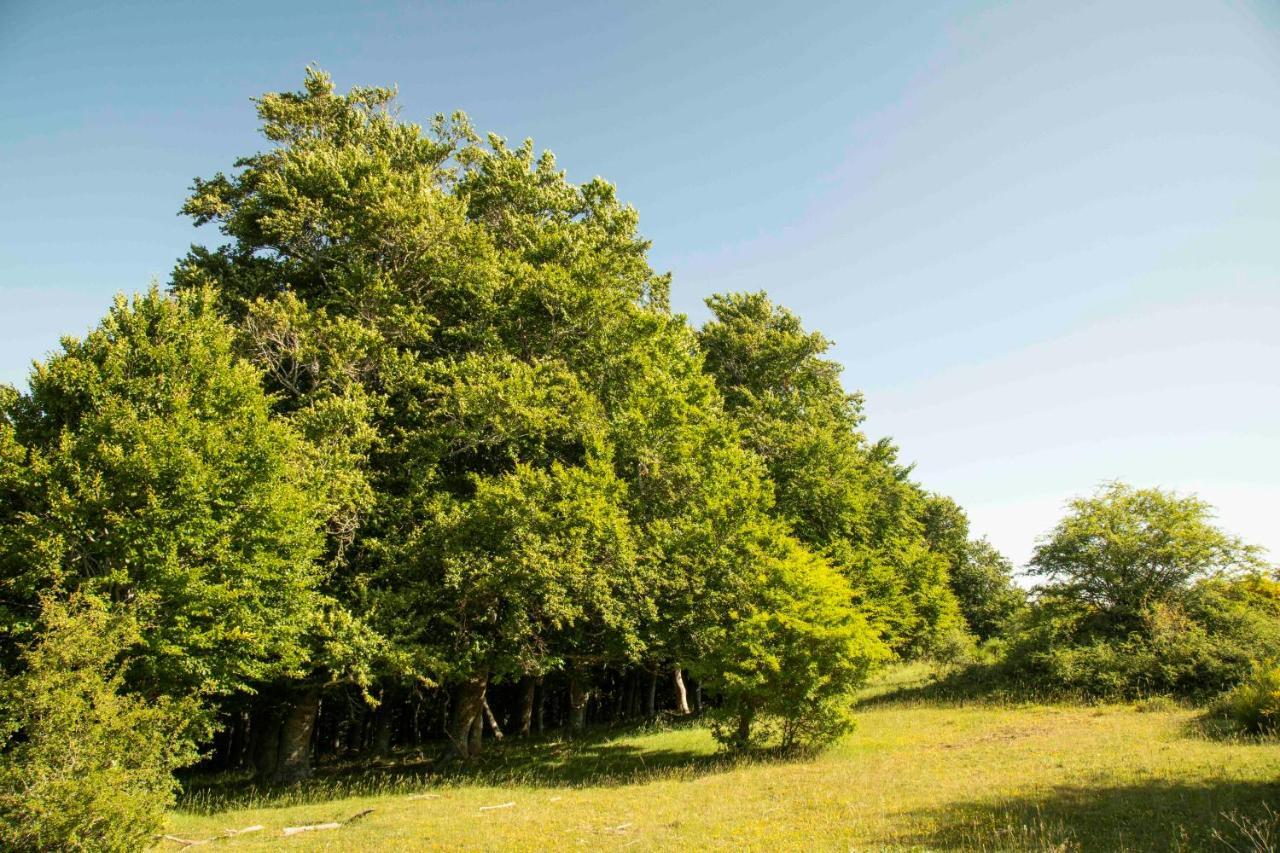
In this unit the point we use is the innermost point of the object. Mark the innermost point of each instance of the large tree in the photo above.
(145, 466)
(845, 496)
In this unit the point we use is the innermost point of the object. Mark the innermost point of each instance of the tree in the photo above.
(153, 474)
(1124, 549)
(847, 498)
(983, 584)
(84, 764)
(788, 654)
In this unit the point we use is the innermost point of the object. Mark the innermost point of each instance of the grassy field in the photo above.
(914, 775)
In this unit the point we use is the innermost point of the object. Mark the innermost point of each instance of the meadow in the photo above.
(916, 774)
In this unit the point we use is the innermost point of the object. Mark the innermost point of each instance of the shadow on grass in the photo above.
(600, 757)
(1213, 726)
(1155, 816)
(973, 684)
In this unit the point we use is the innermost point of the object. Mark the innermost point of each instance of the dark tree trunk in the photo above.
(682, 695)
(240, 740)
(742, 738)
(627, 704)
(463, 713)
(651, 699)
(294, 763)
(384, 728)
(541, 717)
(475, 741)
(528, 687)
(697, 697)
(579, 695)
(264, 734)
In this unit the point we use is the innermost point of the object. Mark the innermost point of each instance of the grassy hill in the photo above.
(915, 775)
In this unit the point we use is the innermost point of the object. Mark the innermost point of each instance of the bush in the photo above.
(85, 766)
(1255, 703)
(1195, 648)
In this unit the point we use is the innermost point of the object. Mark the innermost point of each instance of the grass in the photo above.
(916, 775)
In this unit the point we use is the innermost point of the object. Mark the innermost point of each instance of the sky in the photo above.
(1044, 237)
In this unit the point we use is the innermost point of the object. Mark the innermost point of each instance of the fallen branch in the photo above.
(499, 806)
(316, 827)
(311, 827)
(424, 797)
(228, 833)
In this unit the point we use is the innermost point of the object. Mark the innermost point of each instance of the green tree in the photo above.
(983, 584)
(847, 498)
(1124, 549)
(501, 322)
(85, 765)
(154, 475)
(788, 654)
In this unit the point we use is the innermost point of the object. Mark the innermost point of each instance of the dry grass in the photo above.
(913, 776)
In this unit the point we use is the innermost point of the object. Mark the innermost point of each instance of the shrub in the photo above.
(1196, 648)
(1255, 703)
(85, 766)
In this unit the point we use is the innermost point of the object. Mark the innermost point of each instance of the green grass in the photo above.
(915, 775)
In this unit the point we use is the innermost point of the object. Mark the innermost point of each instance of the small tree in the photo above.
(85, 766)
(787, 660)
(1124, 550)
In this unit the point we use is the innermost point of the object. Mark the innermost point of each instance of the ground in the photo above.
(915, 775)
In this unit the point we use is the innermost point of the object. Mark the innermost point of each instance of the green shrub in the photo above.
(1197, 647)
(1255, 703)
(85, 766)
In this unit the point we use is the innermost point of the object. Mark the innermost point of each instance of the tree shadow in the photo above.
(1140, 817)
(598, 758)
(985, 684)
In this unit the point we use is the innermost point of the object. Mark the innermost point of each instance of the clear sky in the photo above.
(1044, 236)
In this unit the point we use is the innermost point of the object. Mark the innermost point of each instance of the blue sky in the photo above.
(1044, 236)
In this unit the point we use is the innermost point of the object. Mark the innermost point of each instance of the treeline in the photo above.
(420, 452)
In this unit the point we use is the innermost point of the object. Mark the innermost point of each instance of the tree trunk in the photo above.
(697, 696)
(682, 695)
(651, 698)
(628, 695)
(742, 738)
(299, 722)
(528, 687)
(240, 741)
(264, 733)
(463, 713)
(578, 697)
(384, 728)
(475, 742)
(540, 719)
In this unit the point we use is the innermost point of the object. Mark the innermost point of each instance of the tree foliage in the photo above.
(847, 498)
(1124, 550)
(145, 467)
